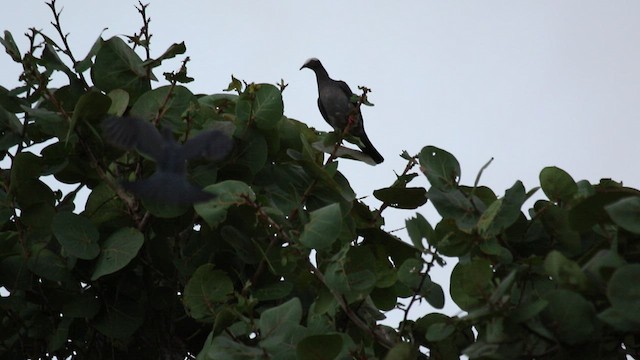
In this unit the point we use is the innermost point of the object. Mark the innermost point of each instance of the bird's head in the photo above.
(312, 64)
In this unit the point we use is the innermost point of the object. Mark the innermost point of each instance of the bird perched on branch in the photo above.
(336, 107)
(169, 183)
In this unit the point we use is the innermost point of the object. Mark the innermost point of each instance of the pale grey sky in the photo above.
(530, 83)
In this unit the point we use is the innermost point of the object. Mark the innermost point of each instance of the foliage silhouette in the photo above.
(232, 278)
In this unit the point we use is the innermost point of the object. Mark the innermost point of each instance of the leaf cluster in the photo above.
(286, 261)
(559, 282)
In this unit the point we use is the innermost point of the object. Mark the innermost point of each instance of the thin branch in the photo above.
(416, 293)
(381, 338)
(67, 50)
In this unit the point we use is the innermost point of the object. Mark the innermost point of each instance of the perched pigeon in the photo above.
(334, 101)
(169, 183)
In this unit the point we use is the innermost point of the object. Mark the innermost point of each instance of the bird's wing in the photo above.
(167, 188)
(133, 133)
(345, 89)
(211, 144)
(323, 112)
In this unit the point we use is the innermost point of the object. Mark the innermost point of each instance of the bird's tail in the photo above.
(370, 150)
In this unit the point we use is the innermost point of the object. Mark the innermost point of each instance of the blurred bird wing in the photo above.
(211, 144)
(133, 133)
(167, 188)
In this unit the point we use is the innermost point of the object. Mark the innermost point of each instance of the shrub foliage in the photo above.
(286, 262)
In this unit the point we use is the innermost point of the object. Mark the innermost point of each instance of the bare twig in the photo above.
(64, 37)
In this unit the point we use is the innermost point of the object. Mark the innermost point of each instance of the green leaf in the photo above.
(49, 122)
(228, 193)
(527, 311)
(402, 351)
(173, 51)
(454, 205)
(602, 265)
(441, 168)
(51, 61)
(10, 121)
(439, 331)
(449, 240)
(10, 47)
(502, 213)
(623, 291)
(557, 184)
(433, 293)
(274, 291)
(402, 198)
(323, 228)
(410, 272)
(235, 84)
(419, 228)
(253, 151)
(267, 106)
(85, 305)
(319, 347)
(84, 64)
(117, 251)
(206, 288)
(245, 249)
(569, 316)
(556, 222)
(493, 247)
(626, 213)
(77, 235)
(592, 210)
(566, 272)
(117, 66)
(120, 320)
(171, 102)
(48, 265)
(278, 323)
(59, 337)
(119, 102)
(91, 107)
(31, 192)
(618, 319)
(470, 283)
(25, 166)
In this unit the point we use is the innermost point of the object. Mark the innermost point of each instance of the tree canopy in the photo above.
(286, 261)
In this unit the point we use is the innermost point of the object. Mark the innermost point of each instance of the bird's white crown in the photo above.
(309, 60)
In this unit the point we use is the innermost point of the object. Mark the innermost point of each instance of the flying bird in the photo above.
(169, 183)
(334, 102)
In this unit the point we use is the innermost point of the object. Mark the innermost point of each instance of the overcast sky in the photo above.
(530, 83)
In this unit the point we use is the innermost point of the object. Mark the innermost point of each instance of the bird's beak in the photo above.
(303, 66)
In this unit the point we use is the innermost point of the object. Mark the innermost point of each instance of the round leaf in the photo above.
(77, 235)
(205, 288)
(439, 331)
(117, 66)
(319, 347)
(323, 228)
(623, 291)
(557, 184)
(441, 168)
(626, 213)
(470, 282)
(228, 193)
(117, 251)
(267, 106)
(569, 316)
